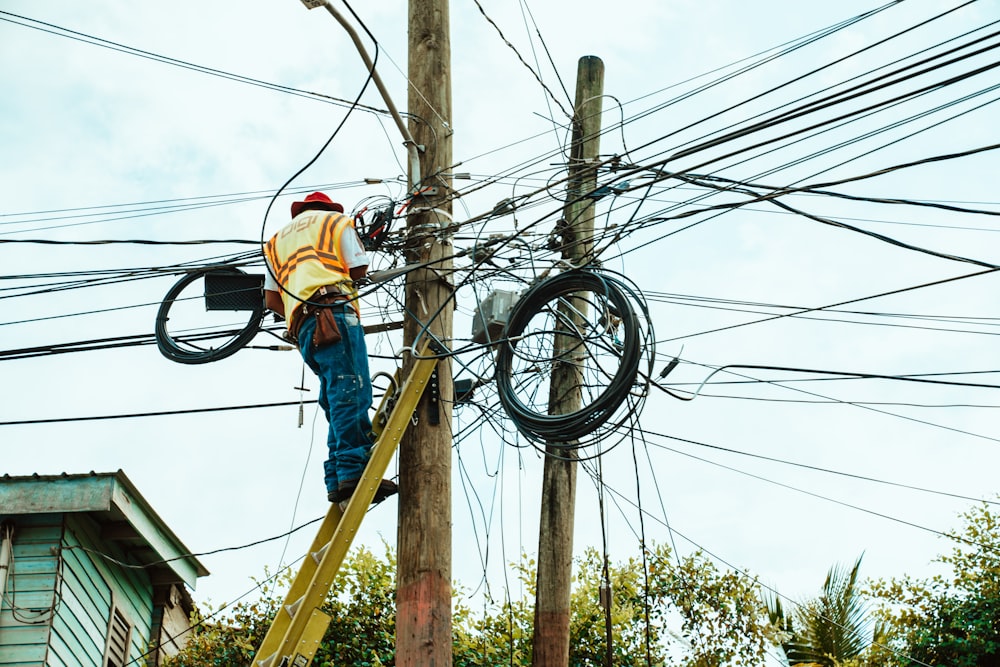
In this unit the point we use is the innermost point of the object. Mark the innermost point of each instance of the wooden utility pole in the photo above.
(423, 594)
(555, 539)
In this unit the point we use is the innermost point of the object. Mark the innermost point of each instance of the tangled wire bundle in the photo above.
(590, 327)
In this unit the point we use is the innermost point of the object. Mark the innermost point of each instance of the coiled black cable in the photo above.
(595, 336)
(170, 348)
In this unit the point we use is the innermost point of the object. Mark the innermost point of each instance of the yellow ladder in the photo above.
(297, 630)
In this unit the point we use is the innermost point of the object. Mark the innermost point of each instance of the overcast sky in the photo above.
(100, 125)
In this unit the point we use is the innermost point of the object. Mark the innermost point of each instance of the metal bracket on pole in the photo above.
(412, 149)
(433, 398)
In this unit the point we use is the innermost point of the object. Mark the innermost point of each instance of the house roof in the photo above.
(123, 514)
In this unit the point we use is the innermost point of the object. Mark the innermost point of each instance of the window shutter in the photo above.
(119, 637)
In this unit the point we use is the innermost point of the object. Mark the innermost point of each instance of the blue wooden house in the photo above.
(89, 574)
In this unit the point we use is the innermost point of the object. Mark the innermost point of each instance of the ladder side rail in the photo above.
(300, 583)
(325, 572)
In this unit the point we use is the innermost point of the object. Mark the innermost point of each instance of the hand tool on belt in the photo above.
(319, 305)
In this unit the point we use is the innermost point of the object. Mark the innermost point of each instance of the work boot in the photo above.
(385, 489)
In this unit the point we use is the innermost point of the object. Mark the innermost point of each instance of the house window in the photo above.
(119, 637)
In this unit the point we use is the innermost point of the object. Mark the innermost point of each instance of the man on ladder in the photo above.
(314, 263)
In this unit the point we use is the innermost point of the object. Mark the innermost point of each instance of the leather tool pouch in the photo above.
(327, 332)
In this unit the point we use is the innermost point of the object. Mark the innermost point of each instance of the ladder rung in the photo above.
(266, 662)
(293, 608)
(318, 555)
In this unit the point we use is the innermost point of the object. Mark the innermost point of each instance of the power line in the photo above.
(672, 531)
(523, 61)
(842, 503)
(933, 283)
(829, 471)
(130, 50)
(170, 204)
(135, 242)
(159, 413)
(863, 406)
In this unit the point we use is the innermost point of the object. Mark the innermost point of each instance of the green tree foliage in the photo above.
(832, 629)
(721, 620)
(950, 619)
(362, 632)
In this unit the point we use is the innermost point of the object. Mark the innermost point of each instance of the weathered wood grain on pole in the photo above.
(555, 540)
(423, 597)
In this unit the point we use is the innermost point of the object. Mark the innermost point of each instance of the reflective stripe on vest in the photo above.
(306, 255)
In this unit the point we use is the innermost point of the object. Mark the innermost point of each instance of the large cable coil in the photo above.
(568, 366)
(209, 341)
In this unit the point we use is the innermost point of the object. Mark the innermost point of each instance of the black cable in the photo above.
(160, 413)
(849, 374)
(683, 301)
(835, 305)
(169, 345)
(856, 92)
(828, 471)
(134, 242)
(806, 110)
(822, 123)
(741, 572)
(114, 46)
(164, 561)
(820, 496)
(336, 131)
(795, 46)
(563, 430)
(523, 62)
(645, 222)
(114, 276)
(863, 406)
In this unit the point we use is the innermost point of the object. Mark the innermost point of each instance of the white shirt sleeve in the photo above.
(354, 252)
(270, 284)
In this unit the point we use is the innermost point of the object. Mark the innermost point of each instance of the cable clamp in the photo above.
(431, 209)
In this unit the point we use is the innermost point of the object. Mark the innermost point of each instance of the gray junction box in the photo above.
(491, 315)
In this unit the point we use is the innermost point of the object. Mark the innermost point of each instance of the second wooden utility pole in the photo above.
(555, 540)
(423, 593)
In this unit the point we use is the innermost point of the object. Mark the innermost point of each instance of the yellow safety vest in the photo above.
(306, 255)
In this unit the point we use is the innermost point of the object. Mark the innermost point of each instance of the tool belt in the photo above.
(320, 305)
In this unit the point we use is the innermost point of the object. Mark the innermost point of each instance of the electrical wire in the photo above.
(129, 50)
(934, 283)
(173, 346)
(829, 471)
(513, 359)
(538, 78)
(135, 242)
(617, 496)
(159, 413)
(491, 416)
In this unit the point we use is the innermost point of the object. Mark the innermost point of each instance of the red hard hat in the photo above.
(316, 200)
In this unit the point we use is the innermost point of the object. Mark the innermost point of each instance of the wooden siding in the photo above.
(91, 585)
(24, 629)
(70, 595)
(75, 539)
(171, 621)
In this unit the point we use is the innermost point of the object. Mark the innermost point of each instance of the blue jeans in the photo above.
(345, 394)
